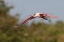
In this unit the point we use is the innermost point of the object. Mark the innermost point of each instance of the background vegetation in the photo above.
(36, 32)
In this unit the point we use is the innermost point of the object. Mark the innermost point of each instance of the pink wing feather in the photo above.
(51, 16)
(30, 18)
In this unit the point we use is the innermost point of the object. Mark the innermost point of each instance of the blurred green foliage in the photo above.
(36, 32)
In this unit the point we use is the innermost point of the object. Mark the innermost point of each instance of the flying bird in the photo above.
(38, 15)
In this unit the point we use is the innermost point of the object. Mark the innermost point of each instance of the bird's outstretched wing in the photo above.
(52, 16)
(29, 18)
(48, 16)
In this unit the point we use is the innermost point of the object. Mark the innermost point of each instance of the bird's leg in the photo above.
(45, 18)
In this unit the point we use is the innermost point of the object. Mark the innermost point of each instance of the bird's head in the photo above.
(36, 15)
(32, 15)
